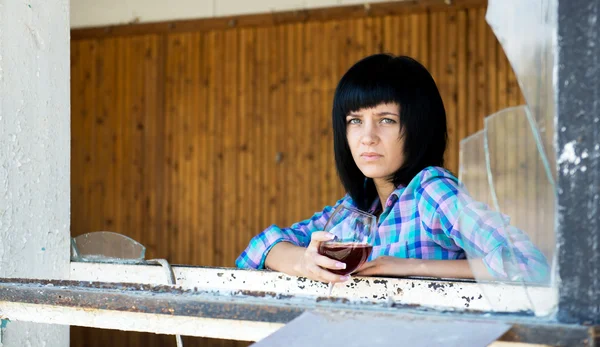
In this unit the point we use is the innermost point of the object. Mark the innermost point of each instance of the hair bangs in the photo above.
(366, 85)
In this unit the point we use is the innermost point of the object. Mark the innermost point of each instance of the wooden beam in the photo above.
(275, 18)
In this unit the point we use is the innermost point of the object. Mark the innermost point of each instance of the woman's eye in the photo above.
(388, 121)
(354, 121)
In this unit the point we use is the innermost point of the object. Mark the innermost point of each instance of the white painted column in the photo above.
(34, 153)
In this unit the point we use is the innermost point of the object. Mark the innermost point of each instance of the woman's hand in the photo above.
(386, 265)
(314, 266)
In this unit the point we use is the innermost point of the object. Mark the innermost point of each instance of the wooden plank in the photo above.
(230, 131)
(332, 53)
(216, 39)
(263, 217)
(246, 43)
(423, 39)
(463, 73)
(278, 157)
(414, 29)
(121, 100)
(289, 164)
(89, 97)
(492, 47)
(396, 33)
(388, 39)
(481, 63)
(78, 137)
(450, 87)
(153, 188)
(141, 108)
(470, 113)
(441, 75)
(277, 18)
(271, 117)
(209, 187)
(405, 35)
(195, 230)
(310, 96)
(300, 179)
(102, 180)
(174, 106)
(255, 148)
(169, 226)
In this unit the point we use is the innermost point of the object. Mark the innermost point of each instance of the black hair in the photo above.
(385, 78)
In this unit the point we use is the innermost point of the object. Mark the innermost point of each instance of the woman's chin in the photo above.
(375, 174)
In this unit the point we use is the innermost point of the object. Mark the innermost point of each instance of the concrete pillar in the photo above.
(34, 153)
(578, 147)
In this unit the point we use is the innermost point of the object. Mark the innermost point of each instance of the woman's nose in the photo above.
(369, 136)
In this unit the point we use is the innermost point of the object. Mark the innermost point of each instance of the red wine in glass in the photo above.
(351, 245)
(351, 254)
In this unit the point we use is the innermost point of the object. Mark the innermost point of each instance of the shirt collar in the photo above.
(390, 201)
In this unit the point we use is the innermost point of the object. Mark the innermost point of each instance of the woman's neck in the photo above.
(384, 190)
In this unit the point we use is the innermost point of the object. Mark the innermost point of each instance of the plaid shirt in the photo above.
(433, 217)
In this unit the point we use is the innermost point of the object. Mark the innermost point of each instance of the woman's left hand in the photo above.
(386, 265)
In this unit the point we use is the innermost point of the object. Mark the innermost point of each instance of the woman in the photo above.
(390, 136)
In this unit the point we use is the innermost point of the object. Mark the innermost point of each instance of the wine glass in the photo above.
(352, 244)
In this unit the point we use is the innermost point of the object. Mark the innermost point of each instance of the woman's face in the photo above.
(375, 141)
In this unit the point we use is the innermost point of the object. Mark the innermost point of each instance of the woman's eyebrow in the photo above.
(385, 113)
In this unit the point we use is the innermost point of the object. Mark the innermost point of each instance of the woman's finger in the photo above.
(328, 263)
(325, 276)
(317, 237)
(366, 272)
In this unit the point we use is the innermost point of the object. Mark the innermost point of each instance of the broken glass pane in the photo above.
(106, 247)
(527, 30)
(521, 189)
(520, 151)
(473, 170)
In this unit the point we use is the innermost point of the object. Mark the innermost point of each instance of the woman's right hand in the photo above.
(314, 265)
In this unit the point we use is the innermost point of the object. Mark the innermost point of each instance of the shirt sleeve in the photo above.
(299, 234)
(448, 211)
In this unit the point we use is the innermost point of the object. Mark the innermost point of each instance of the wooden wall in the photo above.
(175, 136)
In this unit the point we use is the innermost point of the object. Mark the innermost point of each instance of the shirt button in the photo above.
(389, 203)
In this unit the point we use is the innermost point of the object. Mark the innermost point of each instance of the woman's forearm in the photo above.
(440, 268)
(392, 266)
(284, 257)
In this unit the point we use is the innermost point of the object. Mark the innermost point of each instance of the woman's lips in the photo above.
(371, 156)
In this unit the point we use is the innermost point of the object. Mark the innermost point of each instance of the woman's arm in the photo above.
(448, 212)
(401, 267)
(299, 234)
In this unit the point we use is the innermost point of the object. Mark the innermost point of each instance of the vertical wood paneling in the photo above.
(175, 136)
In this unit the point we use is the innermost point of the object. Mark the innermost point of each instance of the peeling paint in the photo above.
(386, 291)
(568, 154)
